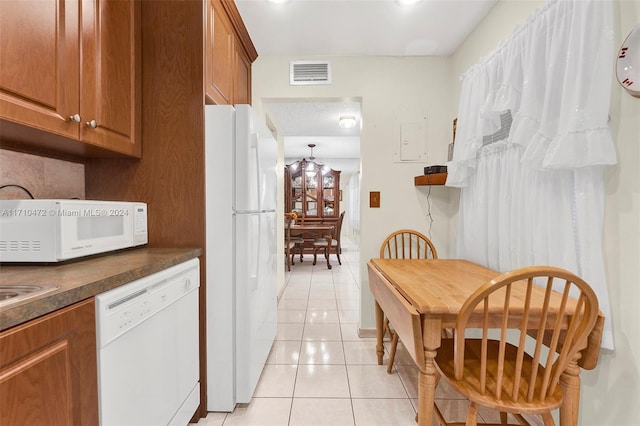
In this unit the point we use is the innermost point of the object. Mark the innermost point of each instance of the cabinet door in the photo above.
(328, 195)
(331, 193)
(242, 83)
(110, 100)
(39, 71)
(219, 55)
(48, 369)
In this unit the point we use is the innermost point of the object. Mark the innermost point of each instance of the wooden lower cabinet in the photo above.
(48, 369)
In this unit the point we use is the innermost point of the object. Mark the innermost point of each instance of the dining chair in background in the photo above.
(298, 241)
(404, 244)
(509, 376)
(288, 244)
(323, 243)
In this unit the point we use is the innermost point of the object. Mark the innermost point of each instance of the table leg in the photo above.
(427, 381)
(570, 383)
(379, 332)
(428, 376)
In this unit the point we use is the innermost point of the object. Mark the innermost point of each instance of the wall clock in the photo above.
(628, 63)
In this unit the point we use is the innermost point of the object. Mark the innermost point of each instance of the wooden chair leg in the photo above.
(472, 415)
(548, 419)
(521, 420)
(287, 256)
(338, 256)
(503, 418)
(387, 328)
(439, 416)
(392, 353)
(326, 255)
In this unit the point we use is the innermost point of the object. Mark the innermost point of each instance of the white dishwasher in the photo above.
(147, 332)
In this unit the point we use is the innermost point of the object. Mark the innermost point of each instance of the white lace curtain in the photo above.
(536, 196)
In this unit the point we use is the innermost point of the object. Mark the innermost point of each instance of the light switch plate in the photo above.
(374, 199)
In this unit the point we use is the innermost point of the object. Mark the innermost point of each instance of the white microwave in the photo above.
(58, 230)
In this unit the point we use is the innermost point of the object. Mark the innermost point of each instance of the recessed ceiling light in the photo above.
(277, 1)
(347, 121)
(407, 2)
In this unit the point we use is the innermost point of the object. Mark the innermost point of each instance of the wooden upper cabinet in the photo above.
(39, 57)
(219, 55)
(229, 54)
(242, 87)
(111, 75)
(72, 68)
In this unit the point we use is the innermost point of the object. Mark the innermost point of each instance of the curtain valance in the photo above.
(554, 77)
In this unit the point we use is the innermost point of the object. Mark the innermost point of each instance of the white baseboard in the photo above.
(366, 332)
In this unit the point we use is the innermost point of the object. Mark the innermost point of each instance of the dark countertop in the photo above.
(82, 279)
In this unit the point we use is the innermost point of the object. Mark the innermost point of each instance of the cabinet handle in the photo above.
(75, 117)
(92, 123)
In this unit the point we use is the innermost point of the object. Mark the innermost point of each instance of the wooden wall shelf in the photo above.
(433, 179)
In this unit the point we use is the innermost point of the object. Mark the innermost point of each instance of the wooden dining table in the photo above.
(314, 231)
(423, 297)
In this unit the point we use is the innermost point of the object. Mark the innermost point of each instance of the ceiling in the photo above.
(361, 27)
(326, 28)
(316, 121)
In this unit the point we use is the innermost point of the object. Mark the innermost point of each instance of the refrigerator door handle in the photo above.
(254, 256)
(256, 154)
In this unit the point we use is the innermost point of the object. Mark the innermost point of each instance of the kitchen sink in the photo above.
(11, 293)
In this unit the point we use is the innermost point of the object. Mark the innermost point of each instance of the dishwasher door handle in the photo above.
(126, 299)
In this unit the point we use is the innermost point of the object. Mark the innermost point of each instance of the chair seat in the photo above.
(470, 385)
(296, 240)
(322, 242)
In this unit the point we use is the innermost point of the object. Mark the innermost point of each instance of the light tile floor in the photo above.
(320, 372)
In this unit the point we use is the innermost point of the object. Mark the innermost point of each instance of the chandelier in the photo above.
(311, 168)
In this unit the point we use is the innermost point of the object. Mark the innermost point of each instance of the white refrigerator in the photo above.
(240, 169)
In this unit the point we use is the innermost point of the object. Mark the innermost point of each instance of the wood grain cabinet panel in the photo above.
(242, 83)
(219, 55)
(48, 369)
(72, 68)
(228, 54)
(40, 74)
(111, 75)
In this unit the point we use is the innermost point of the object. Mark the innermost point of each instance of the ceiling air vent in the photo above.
(309, 72)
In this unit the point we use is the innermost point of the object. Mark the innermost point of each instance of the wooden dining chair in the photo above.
(404, 244)
(289, 244)
(298, 242)
(506, 370)
(323, 243)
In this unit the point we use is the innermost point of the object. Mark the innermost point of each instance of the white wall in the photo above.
(390, 87)
(610, 392)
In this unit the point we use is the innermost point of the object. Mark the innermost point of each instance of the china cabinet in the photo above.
(312, 189)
